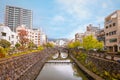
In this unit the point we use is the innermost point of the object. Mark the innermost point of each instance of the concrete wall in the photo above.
(25, 67)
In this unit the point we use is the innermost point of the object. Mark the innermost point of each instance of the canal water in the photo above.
(58, 69)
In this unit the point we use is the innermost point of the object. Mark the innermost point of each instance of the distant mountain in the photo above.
(51, 39)
(64, 39)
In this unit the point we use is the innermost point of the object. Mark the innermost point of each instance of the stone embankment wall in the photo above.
(24, 67)
(104, 64)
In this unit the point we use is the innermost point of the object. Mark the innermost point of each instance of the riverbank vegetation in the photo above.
(80, 51)
(7, 51)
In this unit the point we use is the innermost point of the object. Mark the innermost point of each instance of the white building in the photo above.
(7, 34)
(34, 35)
(60, 42)
(43, 39)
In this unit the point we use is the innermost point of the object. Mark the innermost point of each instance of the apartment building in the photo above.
(16, 16)
(7, 34)
(43, 39)
(91, 30)
(34, 35)
(101, 35)
(79, 37)
(37, 34)
(112, 31)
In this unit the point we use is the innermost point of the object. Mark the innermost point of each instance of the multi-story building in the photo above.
(101, 36)
(91, 30)
(7, 34)
(112, 31)
(37, 34)
(16, 16)
(34, 35)
(43, 39)
(79, 37)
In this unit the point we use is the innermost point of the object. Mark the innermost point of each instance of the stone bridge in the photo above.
(62, 50)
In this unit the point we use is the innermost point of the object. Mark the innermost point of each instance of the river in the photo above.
(65, 69)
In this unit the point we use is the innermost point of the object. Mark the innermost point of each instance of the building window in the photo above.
(113, 40)
(114, 32)
(16, 37)
(114, 24)
(12, 36)
(9, 37)
(106, 34)
(12, 42)
(110, 25)
(110, 33)
(106, 27)
(3, 34)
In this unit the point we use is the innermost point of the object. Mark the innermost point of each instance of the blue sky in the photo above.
(64, 18)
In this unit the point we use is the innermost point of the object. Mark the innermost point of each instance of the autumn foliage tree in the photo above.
(23, 37)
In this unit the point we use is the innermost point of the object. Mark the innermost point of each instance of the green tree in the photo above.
(31, 45)
(70, 45)
(4, 43)
(2, 52)
(49, 45)
(17, 45)
(75, 44)
(89, 42)
(40, 48)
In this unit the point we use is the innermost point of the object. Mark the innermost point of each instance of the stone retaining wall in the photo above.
(25, 67)
(89, 74)
(105, 65)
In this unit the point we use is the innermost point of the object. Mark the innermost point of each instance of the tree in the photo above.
(4, 43)
(31, 45)
(23, 37)
(70, 45)
(49, 45)
(2, 52)
(75, 44)
(89, 42)
(40, 48)
(17, 45)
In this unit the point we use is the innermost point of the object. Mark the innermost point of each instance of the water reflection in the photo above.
(60, 55)
(56, 70)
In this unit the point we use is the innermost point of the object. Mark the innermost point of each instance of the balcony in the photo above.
(107, 22)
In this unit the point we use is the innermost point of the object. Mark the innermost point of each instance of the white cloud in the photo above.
(104, 5)
(100, 19)
(58, 19)
(77, 8)
(78, 29)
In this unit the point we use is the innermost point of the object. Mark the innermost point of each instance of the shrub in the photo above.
(40, 48)
(4, 43)
(17, 45)
(2, 52)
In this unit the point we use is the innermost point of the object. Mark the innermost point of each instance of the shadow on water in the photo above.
(61, 69)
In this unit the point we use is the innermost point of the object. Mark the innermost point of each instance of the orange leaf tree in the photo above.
(23, 39)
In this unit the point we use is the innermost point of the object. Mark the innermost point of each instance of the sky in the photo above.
(64, 18)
